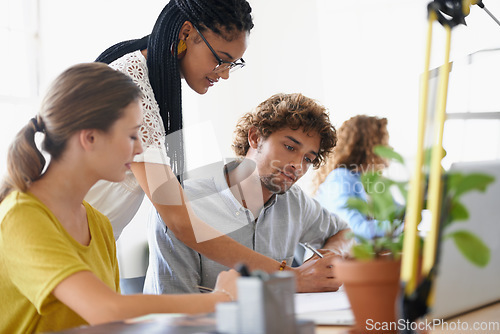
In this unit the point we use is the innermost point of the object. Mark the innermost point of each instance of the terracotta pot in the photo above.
(372, 288)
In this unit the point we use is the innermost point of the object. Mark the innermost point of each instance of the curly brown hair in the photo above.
(287, 110)
(356, 139)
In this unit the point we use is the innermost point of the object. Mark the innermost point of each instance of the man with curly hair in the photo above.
(255, 201)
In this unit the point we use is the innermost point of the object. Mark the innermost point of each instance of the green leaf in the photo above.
(359, 205)
(473, 248)
(370, 180)
(382, 242)
(383, 202)
(453, 181)
(399, 214)
(458, 211)
(363, 251)
(388, 153)
(383, 208)
(473, 181)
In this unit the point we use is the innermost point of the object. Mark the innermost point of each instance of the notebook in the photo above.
(324, 308)
(460, 286)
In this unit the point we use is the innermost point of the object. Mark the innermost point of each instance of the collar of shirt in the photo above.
(224, 191)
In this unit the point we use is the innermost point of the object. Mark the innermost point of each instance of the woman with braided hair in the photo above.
(200, 41)
(58, 264)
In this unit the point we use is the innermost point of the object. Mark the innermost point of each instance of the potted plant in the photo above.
(371, 274)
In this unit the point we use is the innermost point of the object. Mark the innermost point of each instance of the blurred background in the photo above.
(355, 57)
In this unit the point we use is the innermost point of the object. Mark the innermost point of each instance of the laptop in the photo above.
(461, 286)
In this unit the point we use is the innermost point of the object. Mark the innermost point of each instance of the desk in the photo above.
(487, 316)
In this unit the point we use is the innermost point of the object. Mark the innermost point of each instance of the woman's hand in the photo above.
(226, 284)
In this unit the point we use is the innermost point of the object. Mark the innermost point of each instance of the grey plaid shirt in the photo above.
(284, 221)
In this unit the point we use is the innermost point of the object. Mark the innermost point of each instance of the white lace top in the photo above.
(120, 201)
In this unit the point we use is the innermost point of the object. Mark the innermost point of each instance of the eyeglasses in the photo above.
(222, 64)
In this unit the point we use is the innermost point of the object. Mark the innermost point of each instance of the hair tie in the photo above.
(38, 125)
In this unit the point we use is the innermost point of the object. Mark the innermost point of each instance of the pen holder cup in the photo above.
(265, 305)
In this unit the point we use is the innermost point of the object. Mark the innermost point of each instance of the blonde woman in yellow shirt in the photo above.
(58, 266)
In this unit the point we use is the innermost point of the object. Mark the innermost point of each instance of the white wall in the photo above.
(355, 57)
(19, 84)
(78, 31)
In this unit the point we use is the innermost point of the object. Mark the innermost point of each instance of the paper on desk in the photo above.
(324, 308)
(321, 301)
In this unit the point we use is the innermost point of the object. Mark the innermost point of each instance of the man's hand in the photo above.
(317, 274)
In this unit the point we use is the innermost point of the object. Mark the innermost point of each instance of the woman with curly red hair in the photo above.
(339, 178)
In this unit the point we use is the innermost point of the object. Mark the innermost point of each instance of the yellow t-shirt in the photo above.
(36, 254)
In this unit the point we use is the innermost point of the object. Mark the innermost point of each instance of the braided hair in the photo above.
(223, 17)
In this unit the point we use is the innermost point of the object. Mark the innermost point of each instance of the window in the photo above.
(472, 129)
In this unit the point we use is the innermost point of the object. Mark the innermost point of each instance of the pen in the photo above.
(306, 245)
(204, 288)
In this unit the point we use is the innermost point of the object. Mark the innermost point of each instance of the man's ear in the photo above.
(254, 137)
(88, 139)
